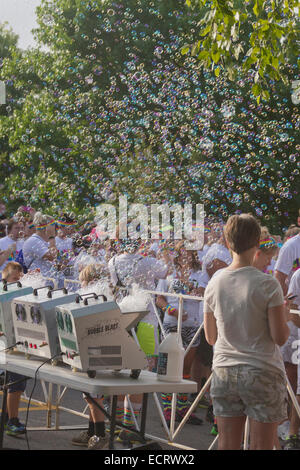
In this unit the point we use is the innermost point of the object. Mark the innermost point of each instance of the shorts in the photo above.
(245, 390)
(187, 334)
(19, 387)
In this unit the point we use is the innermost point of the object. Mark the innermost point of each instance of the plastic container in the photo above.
(170, 359)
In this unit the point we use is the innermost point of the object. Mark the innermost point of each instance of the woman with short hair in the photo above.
(246, 320)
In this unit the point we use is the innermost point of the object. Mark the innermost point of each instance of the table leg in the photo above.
(113, 421)
(49, 412)
(3, 414)
(57, 407)
(144, 415)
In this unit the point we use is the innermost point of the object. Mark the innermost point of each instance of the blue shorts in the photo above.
(19, 387)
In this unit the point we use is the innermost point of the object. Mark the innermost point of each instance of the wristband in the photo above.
(170, 310)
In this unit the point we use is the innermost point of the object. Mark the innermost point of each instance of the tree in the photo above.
(8, 43)
(258, 35)
(93, 118)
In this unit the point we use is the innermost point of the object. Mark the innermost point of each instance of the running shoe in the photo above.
(214, 430)
(129, 437)
(15, 428)
(82, 439)
(292, 443)
(98, 443)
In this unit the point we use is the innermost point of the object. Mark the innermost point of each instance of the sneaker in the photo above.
(15, 428)
(98, 442)
(116, 432)
(81, 440)
(292, 443)
(129, 437)
(283, 430)
(214, 430)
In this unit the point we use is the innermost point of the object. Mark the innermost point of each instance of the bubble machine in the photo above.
(35, 323)
(95, 335)
(8, 291)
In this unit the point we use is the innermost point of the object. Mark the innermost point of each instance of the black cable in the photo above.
(34, 384)
(11, 347)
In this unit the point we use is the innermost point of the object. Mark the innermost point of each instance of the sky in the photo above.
(20, 14)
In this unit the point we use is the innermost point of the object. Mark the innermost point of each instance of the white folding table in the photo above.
(105, 383)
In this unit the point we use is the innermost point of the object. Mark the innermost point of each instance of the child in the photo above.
(245, 318)
(12, 273)
(94, 438)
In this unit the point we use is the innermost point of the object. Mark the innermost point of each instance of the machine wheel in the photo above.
(91, 374)
(135, 373)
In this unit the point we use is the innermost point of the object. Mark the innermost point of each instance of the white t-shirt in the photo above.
(239, 300)
(289, 257)
(5, 242)
(34, 249)
(294, 287)
(288, 263)
(216, 251)
(202, 253)
(136, 269)
(190, 307)
(64, 244)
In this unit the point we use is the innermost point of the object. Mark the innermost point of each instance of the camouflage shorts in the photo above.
(245, 390)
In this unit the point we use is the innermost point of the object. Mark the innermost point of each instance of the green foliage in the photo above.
(259, 35)
(8, 40)
(112, 107)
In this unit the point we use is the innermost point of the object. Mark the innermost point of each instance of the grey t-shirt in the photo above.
(239, 300)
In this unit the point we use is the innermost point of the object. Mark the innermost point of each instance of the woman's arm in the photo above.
(279, 329)
(295, 318)
(281, 278)
(210, 328)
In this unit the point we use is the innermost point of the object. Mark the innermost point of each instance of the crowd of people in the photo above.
(246, 276)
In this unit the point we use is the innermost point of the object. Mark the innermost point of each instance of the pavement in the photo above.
(193, 436)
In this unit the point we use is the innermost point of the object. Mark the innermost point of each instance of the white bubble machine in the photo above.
(35, 322)
(8, 291)
(95, 335)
